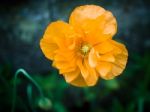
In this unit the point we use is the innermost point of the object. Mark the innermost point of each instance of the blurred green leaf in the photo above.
(112, 84)
(59, 107)
(117, 106)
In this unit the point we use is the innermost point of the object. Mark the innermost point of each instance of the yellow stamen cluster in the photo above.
(85, 49)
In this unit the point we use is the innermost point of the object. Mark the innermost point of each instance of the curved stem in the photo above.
(14, 89)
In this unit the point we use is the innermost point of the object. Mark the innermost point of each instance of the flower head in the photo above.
(83, 50)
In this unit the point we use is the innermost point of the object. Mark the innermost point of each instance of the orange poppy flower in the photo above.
(83, 50)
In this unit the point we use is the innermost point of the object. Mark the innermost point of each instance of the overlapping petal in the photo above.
(111, 62)
(94, 22)
(89, 74)
(65, 60)
(56, 35)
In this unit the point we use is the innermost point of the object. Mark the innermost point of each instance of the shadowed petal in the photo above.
(92, 58)
(79, 81)
(89, 74)
(71, 76)
(103, 68)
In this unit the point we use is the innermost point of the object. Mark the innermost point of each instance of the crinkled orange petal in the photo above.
(71, 76)
(64, 54)
(121, 56)
(93, 76)
(64, 67)
(79, 81)
(115, 71)
(119, 48)
(121, 60)
(65, 61)
(116, 61)
(89, 74)
(104, 47)
(103, 68)
(55, 36)
(92, 58)
(120, 53)
(48, 48)
(107, 57)
(94, 22)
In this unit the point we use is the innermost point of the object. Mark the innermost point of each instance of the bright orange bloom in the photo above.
(83, 50)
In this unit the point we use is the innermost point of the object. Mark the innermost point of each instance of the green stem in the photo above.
(29, 93)
(14, 89)
(140, 104)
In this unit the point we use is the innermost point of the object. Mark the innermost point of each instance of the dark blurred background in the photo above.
(22, 24)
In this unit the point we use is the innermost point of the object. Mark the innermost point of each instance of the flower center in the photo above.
(85, 48)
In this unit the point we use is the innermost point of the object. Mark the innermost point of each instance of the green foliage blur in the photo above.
(126, 93)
